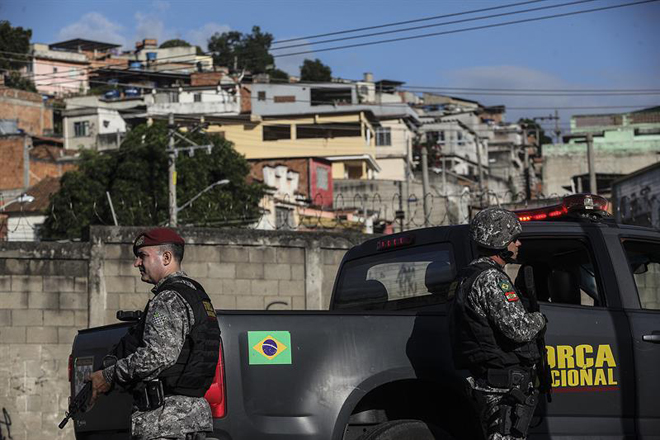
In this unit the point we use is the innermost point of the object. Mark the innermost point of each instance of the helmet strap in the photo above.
(507, 256)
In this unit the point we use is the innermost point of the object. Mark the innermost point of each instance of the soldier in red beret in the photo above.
(168, 359)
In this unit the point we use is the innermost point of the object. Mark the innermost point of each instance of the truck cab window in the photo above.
(644, 262)
(398, 280)
(564, 271)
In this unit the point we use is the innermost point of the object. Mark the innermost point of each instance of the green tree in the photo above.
(315, 71)
(15, 45)
(277, 75)
(249, 51)
(176, 42)
(136, 177)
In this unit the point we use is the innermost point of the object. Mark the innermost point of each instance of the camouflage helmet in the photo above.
(495, 228)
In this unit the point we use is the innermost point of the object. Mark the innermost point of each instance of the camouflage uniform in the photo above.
(492, 330)
(488, 299)
(169, 319)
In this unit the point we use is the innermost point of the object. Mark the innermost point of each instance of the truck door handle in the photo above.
(654, 337)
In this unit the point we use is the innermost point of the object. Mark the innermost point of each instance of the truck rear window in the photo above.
(405, 278)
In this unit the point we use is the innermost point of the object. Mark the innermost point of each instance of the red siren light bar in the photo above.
(578, 203)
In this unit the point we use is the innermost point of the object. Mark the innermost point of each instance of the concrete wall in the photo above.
(44, 292)
(635, 198)
(563, 161)
(382, 197)
(50, 290)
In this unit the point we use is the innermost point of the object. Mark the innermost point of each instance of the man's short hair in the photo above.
(176, 250)
(157, 237)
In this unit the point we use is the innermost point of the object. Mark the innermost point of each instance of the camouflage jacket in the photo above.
(488, 299)
(169, 319)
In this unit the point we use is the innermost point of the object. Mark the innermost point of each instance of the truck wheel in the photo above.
(406, 430)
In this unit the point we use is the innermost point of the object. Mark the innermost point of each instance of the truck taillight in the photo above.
(70, 367)
(216, 392)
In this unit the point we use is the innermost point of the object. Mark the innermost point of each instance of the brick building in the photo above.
(28, 109)
(26, 160)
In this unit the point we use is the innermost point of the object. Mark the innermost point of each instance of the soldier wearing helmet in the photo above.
(493, 335)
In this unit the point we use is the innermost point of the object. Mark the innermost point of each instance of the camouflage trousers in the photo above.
(189, 436)
(490, 402)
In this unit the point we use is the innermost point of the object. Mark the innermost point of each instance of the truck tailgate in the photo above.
(111, 416)
(296, 375)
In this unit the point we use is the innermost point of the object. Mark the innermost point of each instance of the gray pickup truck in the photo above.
(378, 364)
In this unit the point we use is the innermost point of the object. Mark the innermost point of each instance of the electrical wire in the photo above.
(448, 32)
(465, 20)
(469, 29)
(398, 23)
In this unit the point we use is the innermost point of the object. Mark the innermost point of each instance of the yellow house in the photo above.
(346, 139)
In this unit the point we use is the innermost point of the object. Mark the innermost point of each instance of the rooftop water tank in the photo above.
(135, 65)
(151, 56)
(112, 94)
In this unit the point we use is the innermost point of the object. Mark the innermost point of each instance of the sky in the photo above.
(617, 49)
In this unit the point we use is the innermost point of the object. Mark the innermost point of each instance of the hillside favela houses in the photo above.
(622, 142)
(348, 151)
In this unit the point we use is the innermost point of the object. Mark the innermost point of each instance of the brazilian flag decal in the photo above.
(269, 348)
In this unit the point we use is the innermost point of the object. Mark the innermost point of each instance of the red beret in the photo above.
(156, 237)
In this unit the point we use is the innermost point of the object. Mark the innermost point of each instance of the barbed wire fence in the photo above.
(363, 212)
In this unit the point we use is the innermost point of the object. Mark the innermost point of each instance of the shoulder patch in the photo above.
(505, 286)
(511, 296)
(209, 309)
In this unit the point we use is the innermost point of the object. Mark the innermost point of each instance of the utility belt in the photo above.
(516, 408)
(149, 395)
(517, 377)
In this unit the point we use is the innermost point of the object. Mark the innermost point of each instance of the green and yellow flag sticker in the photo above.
(269, 348)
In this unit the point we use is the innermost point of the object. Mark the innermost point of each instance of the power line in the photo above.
(417, 89)
(398, 23)
(475, 28)
(465, 20)
(384, 41)
(417, 36)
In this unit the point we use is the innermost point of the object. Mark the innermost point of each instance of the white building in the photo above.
(220, 100)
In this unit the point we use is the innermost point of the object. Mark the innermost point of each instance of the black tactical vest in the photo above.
(476, 345)
(193, 372)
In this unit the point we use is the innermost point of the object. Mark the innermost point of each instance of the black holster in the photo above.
(518, 404)
(149, 396)
(516, 412)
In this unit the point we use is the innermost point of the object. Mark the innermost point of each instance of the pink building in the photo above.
(58, 72)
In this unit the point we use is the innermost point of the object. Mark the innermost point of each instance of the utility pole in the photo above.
(425, 184)
(480, 170)
(172, 152)
(528, 176)
(171, 172)
(400, 214)
(444, 175)
(593, 189)
(557, 130)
